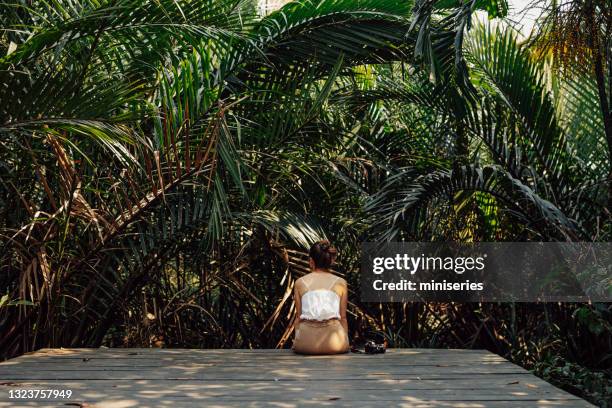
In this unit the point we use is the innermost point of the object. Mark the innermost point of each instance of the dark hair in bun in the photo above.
(323, 254)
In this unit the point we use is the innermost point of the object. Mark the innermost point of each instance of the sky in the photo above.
(517, 13)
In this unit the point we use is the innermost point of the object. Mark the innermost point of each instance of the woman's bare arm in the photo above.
(298, 305)
(343, 307)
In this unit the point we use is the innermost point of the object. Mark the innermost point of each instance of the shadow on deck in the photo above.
(416, 378)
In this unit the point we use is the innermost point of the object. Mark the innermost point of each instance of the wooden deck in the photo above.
(221, 378)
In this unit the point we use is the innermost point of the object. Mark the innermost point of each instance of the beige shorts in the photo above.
(320, 337)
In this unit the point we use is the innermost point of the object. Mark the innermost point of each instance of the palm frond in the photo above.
(400, 202)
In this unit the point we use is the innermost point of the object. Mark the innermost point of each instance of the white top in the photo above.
(320, 304)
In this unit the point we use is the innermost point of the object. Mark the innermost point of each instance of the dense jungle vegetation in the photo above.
(164, 166)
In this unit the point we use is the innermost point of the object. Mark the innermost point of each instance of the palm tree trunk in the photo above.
(595, 45)
(607, 117)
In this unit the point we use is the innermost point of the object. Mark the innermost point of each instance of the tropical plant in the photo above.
(165, 165)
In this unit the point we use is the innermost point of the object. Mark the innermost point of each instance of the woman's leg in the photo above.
(328, 337)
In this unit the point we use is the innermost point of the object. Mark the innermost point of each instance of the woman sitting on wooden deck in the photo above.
(320, 303)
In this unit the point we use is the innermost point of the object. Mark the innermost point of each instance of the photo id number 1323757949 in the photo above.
(29, 394)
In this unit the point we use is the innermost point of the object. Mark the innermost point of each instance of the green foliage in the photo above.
(164, 167)
(574, 378)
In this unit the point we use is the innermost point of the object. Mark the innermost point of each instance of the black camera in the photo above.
(371, 347)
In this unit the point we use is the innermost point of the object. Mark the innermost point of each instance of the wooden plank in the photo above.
(333, 401)
(397, 358)
(250, 354)
(196, 370)
(407, 402)
(512, 382)
(235, 391)
(272, 357)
